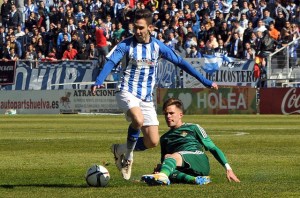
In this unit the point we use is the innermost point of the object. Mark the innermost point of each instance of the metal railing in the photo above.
(281, 63)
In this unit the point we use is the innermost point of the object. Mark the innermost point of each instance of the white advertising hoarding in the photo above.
(59, 101)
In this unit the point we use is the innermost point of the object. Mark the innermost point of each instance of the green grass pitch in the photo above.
(48, 155)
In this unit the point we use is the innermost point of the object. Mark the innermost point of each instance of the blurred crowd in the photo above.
(88, 29)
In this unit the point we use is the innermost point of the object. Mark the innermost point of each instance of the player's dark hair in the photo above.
(143, 14)
(173, 101)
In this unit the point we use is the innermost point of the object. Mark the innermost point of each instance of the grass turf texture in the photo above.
(48, 155)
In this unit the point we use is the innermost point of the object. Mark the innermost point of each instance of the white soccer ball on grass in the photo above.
(97, 176)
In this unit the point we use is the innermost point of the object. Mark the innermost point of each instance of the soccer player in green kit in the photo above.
(182, 151)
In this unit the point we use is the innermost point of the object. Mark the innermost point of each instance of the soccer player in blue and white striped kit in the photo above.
(135, 89)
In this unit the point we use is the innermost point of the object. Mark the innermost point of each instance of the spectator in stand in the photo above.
(201, 46)
(260, 26)
(266, 17)
(31, 52)
(172, 40)
(280, 9)
(101, 36)
(31, 55)
(287, 28)
(244, 21)
(60, 37)
(212, 42)
(41, 47)
(60, 16)
(254, 41)
(28, 9)
(160, 37)
(238, 29)
(11, 55)
(249, 52)
(226, 5)
(76, 42)
(236, 46)
(19, 32)
(118, 33)
(5, 13)
(173, 9)
(253, 17)
(2, 41)
(69, 15)
(194, 53)
(43, 12)
(219, 18)
(244, 9)
(93, 53)
(235, 10)
(129, 31)
(181, 27)
(292, 9)
(274, 33)
(15, 17)
(248, 32)
(66, 3)
(70, 53)
(80, 31)
(40, 56)
(224, 32)
(221, 49)
(83, 53)
(216, 9)
(71, 26)
(16, 45)
(79, 15)
(279, 21)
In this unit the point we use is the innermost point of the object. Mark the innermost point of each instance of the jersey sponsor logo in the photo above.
(143, 62)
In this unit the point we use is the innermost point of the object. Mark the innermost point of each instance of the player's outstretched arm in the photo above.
(231, 176)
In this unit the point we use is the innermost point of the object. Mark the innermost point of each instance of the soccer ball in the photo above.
(97, 176)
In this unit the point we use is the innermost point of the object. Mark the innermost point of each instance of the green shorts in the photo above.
(195, 163)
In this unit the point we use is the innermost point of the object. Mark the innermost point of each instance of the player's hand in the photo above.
(214, 86)
(94, 88)
(231, 176)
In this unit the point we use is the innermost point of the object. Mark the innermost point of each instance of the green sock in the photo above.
(168, 166)
(181, 177)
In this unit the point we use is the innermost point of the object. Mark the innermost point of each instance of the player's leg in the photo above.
(195, 168)
(168, 166)
(124, 152)
(182, 177)
(150, 137)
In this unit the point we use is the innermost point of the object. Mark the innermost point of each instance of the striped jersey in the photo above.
(189, 137)
(140, 72)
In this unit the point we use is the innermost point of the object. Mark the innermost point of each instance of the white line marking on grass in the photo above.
(235, 133)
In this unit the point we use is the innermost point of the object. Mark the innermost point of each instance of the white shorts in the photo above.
(127, 101)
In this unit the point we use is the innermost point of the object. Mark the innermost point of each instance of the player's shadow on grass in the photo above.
(8, 186)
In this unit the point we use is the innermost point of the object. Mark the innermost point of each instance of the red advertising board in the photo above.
(280, 101)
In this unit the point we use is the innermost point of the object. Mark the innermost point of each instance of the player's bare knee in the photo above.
(137, 123)
(152, 144)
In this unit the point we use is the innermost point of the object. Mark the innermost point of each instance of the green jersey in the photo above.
(189, 137)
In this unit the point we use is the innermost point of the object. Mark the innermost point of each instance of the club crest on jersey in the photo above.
(183, 133)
